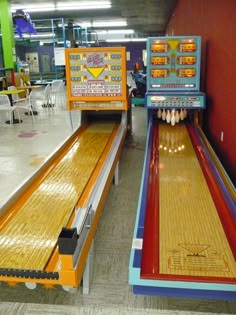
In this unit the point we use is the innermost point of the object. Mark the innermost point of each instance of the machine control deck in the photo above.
(175, 100)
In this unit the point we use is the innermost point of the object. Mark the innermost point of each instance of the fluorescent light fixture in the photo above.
(120, 32)
(97, 23)
(62, 6)
(85, 24)
(42, 35)
(118, 40)
(138, 39)
(126, 40)
(40, 9)
(109, 23)
(34, 7)
(42, 27)
(61, 24)
(103, 32)
(83, 5)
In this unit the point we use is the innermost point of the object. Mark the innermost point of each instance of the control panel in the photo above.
(96, 78)
(175, 100)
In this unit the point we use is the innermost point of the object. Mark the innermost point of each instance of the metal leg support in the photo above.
(88, 271)
(116, 174)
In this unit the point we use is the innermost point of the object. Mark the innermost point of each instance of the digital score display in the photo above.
(96, 75)
(173, 63)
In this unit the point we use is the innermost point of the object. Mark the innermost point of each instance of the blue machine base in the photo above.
(185, 293)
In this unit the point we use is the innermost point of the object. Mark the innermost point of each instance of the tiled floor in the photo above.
(23, 148)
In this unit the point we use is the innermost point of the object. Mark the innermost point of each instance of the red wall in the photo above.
(215, 21)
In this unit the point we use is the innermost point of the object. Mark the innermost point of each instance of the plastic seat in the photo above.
(15, 97)
(5, 105)
(21, 103)
(57, 93)
(41, 96)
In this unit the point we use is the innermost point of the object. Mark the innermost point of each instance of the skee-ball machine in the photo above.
(63, 200)
(184, 235)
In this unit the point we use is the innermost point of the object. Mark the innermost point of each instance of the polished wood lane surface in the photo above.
(27, 241)
(192, 239)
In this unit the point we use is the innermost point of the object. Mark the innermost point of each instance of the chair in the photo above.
(57, 93)
(15, 97)
(56, 84)
(41, 96)
(21, 102)
(5, 105)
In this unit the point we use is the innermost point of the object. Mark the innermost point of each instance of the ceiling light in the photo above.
(83, 5)
(138, 39)
(98, 23)
(34, 7)
(85, 24)
(120, 31)
(109, 23)
(43, 35)
(118, 40)
(113, 32)
(126, 40)
(62, 6)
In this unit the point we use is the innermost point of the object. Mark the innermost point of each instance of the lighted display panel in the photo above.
(96, 78)
(173, 63)
(188, 100)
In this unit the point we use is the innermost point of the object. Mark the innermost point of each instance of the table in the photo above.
(9, 93)
(42, 82)
(30, 88)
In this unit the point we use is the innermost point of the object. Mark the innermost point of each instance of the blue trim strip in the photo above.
(188, 293)
(144, 186)
(135, 256)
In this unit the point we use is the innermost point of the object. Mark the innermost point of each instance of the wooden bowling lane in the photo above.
(29, 237)
(184, 237)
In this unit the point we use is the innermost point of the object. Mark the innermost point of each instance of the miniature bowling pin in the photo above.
(163, 116)
(168, 116)
(172, 120)
(176, 116)
(181, 114)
